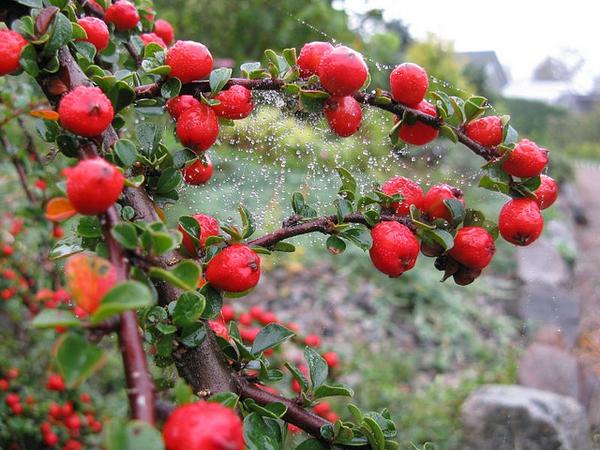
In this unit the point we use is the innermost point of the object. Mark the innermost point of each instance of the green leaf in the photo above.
(170, 88)
(133, 435)
(89, 227)
(184, 275)
(457, 210)
(28, 61)
(438, 236)
(218, 79)
(247, 222)
(77, 359)
(182, 157)
(272, 410)
(168, 180)
(374, 433)
(297, 375)
(283, 247)
(495, 182)
(214, 301)
(85, 49)
(449, 132)
(61, 34)
(128, 295)
(360, 237)
(121, 95)
(148, 135)
(475, 107)
(50, 318)
(473, 218)
(337, 390)
(188, 309)
(193, 335)
(126, 152)
(317, 366)
(32, 3)
(335, 245)
(125, 234)
(348, 182)
(65, 247)
(290, 56)
(228, 399)
(270, 336)
(312, 444)
(261, 433)
(300, 207)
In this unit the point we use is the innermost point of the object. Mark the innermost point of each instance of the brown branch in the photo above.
(197, 88)
(297, 226)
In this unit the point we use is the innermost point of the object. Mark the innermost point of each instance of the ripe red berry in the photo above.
(165, 30)
(342, 71)
(332, 359)
(395, 248)
(199, 172)
(236, 102)
(433, 202)
(7, 250)
(234, 269)
(54, 411)
(198, 127)
(267, 318)
(343, 114)
(85, 111)
(312, 340)
(249, 334)
(11, 46)
(50, 439)
(73, 422)
(55, 383)
(209, 226)
(147, 38)
(177, 105)
(411, 192)
(526, 160)
(487, 131)
(45, 428)
(85, 397)
(256, 312)
(521, 221)
(420, 133)
(409, 83)
(123, 15)
(4, 385)
(67, 409)
(547, 193)
(13, 373)
(474, 247)
(72, 444)
(245, 319)
(322, 408)
(311, 55)
(96, 30)
(189, 61)
(93, 186)
(227, 313)
(203, 426)
(12, 398)
(57, 231)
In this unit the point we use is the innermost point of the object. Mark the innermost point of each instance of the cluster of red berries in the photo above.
(236, 268)
(68, 416)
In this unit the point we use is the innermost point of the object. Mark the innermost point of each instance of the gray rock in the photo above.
(511, 417)
(542, 262)
(546, 304)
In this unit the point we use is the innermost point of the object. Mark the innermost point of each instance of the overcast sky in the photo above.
(522, 32)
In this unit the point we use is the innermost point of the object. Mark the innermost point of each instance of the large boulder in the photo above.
(508, 417)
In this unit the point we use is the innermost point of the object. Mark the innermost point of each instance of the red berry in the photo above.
(245, 319)
(487, 131)
(227, 313)
(93, 186)
(474, 247)
(45, 428)
(177, 105)
(526, 160)
(16, 408)
(332, 359)
(311, 55)
(72, 445)
(41, 184)
(199, 172)
(209, 226)
(13, 373)
(312, 340)
(12, 399)
(55, 383)
(343, 114)
(234, 269)
(322, 408)
(236, 102)
(433, 202)
(73, 422)
(342, 71)
(85, 397)
(395, 248)
(4, 385)
(267, 318)
(50, 439)
(11, 46)
(54, 411)
(547, 192)
(420, 133)
(256, 312)
(411, 192)
(7, 250)
(165, 30)
(123, 15)
(85, 111)
(67, 409)
(203, 426)
(521, 221)
(249, 334)
(97, 32)
(189, 61)
(198, 127)
(147, 38)
(332, 417)
(96, 427)
(409, 83)
(295, 384)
